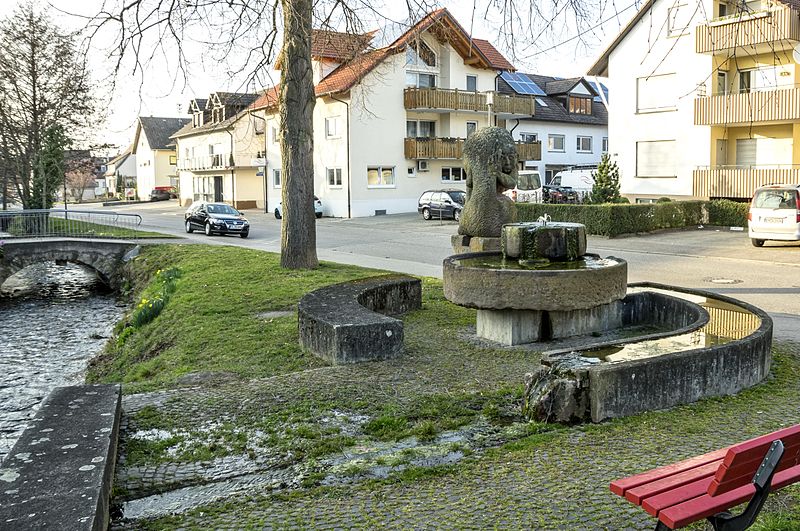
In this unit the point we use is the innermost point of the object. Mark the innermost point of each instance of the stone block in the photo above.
(509, 327)
(578, 322)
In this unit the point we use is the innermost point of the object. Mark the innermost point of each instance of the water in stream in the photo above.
(53, 320)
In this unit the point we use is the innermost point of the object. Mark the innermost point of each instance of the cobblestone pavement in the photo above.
(552, 480)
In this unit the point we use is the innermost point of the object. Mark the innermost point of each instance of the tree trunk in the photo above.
(298, 227)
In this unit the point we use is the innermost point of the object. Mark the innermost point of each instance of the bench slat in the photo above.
(620, 486)
(637, 494)
(705, 505)
(727, 479)
(760, 444)
(659, 502)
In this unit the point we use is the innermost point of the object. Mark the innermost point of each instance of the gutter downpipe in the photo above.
(264, 177)
(349, 173)
(232, 164)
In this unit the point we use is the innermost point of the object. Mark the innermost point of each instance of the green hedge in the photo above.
(620, 218)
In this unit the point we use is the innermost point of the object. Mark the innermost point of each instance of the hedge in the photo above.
(621, 218)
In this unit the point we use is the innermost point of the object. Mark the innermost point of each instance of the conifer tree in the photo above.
(606, 182)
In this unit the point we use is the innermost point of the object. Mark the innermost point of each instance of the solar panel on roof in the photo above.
(522, 84)
(598, 89)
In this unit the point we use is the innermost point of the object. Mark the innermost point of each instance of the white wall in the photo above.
(647, 51)
(570, 156)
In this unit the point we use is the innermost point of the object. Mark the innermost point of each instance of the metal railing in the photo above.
(59, 223)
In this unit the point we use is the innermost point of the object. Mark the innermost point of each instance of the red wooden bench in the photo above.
(708, 485)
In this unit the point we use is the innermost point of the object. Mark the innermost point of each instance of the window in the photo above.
(722, 83)
(580, 105)
(584, 144)
(173, 160)
(555, 143)
(656, 159)
(453, 175)
(528, 137)
(722, 9)
(332, 127)
(541, 102)
(746, 149)
(760, 78)
(605, 144)
(334, 176)
(380, 176)
(420, 54)
(258, 125)
(275, 138)
(656, 93)
(472, 83)
(422, 80)
(276, 178)
(471, 128)
(678, 19)
(420, 129)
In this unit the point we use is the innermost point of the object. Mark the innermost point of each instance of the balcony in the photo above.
(447, 100)
(220, 161)
(774, 28)
(738, 181)
(452, 148)
(769, 105)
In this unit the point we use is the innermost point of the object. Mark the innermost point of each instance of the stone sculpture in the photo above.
(490, 160)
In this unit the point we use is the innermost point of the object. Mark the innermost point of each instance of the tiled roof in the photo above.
(338, 45)
(121, 157)
(189, 130)
(200, 102)
(348, 74)
(242, 99)
(553, 110)
(158, 130)
(267, 99)
(561, 86)
(495, 58)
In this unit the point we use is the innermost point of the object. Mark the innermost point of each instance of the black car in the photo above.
(559, 194)
(160, 195)
(216, 218)
(438, 204)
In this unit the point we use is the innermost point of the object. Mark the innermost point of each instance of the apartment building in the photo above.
(156, 161)
(705, 98)
(570, 120)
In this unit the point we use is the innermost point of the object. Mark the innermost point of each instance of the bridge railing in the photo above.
(59, 223)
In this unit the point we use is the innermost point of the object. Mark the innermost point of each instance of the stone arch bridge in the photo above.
(104, 256)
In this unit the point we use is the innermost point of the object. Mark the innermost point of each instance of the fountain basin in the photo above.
(487, 281)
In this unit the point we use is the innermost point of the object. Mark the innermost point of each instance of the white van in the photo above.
(774, 214)
(528, 189)
(580, 180)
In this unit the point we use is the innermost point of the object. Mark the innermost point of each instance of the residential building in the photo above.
(121, 170)
(156, 161)
(705, 98)
(389, 123)
(571, 120)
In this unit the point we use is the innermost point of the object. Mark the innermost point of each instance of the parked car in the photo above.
(774, 214)
(160, 195)
(559, 194)
(438, 204)
(216, 218)
(317, 209)
(528, 189)
(580, 180)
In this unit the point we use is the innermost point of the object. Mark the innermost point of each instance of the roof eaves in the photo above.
(600, 67)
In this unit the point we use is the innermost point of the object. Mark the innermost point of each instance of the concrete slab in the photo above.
(60, 472)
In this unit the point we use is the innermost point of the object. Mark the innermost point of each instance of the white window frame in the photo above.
(676, 27)
(655, 84)
(419, 129)
(380, 170)
(336, 174)
(275, 134)
(462, 175)
(580, 148)
(412, 79)
(551, 143)
(605, 144)
(528, 137)
(471, 122)
(472, 76)
(277, 178)
(332, 127)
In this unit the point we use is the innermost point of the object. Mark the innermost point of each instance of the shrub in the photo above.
(606, 182)
(663, 200)
(726, 213)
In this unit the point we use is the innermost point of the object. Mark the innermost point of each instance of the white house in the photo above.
(705, 102)
(119, 170)
(155, 153)
(571, 120)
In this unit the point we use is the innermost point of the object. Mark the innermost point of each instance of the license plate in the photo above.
(773, 220)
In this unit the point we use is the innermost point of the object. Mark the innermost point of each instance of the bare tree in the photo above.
(80, 176)
(43, 83)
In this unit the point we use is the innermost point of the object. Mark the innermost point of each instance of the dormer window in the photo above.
(579, 105)
(420, 54)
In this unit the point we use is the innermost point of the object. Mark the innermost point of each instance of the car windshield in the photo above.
(528, 181)
(459, 197)
(222, 209)
(783, 199)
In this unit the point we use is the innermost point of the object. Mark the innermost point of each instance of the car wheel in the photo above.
(245, 234)
(426, 214)
(277, 214)
(456, 215)
(756, 242)
(208, 229)
(189, 228)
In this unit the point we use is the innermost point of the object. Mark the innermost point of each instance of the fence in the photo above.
(55, 223)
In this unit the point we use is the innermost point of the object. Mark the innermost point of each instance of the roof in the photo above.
(345, 76)
(119, 159)
(267, 99)
(550, 109)
(199, 102)
(189, 129)
(158, 130)
(564, 86)
(338, 45)
(240, 99)
(495, 58)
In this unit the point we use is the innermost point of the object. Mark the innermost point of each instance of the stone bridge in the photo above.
(104, 256)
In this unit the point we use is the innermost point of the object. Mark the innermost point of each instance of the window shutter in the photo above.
(655, 159)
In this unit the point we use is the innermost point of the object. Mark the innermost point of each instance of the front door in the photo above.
(218, 188)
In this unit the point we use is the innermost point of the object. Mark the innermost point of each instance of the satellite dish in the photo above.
(796, 53)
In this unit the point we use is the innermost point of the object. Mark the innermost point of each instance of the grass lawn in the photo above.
(76, 228)
(365, 445)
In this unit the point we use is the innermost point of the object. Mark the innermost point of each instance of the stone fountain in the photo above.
(536, 283)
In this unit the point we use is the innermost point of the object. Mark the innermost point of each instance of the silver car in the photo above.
(317, 209)
(774, 214)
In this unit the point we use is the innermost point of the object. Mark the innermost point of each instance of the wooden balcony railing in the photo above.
(739, 182)
(453, 148)
(461, 100)
(778, 104)
(772, 26)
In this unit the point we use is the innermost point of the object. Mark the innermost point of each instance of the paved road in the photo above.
(722, 261)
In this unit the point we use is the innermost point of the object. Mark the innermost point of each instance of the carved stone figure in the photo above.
(490, 160)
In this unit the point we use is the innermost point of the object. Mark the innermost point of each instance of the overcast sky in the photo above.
(161, 92)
